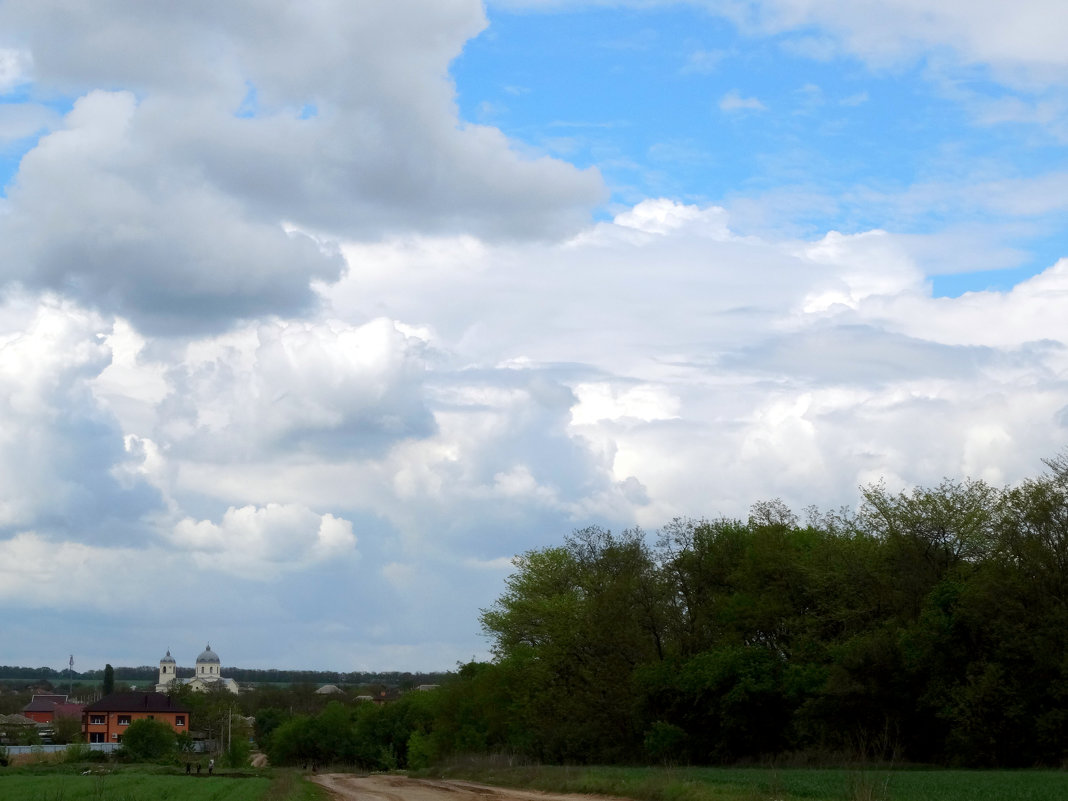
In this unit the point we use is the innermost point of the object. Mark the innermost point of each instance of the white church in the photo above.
(207, 675)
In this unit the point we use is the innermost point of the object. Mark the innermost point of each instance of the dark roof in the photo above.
(44, 703)
(136, 702)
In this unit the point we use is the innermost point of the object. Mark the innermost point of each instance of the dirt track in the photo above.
(347, 787)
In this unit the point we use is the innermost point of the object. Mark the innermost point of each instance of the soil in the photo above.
(349, 787)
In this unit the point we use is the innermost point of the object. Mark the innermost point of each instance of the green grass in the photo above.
(148, 783)
(780, 784)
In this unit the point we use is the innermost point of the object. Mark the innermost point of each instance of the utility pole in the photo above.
(70, 677)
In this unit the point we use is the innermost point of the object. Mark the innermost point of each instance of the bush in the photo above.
(664, 742)
(76, 752)
(147, 740)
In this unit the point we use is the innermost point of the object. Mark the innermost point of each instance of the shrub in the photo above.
(147, 740)
(76, 752)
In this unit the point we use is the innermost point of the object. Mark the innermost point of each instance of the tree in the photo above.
(147, 739)
(109, 680)
(67, 729)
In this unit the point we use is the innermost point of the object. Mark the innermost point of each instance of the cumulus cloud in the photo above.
(260, 543)
(169, 202)
(320, 387)
(62, 453)
(496, 395)
(265, 291)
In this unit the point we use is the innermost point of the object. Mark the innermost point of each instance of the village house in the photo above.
(46, 708)
(106, 720)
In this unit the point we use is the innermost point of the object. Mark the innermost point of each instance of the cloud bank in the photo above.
(287, 342)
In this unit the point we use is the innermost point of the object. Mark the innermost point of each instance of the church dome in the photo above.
(208, 657)
(168, 659)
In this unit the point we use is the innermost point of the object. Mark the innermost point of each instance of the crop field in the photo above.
(132, 785)
(779, 784)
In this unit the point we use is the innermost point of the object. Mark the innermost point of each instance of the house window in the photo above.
(96, 736)
(179, 720)
(124, 720)
(97, 720)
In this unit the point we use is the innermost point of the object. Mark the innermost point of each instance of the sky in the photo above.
(313, 315)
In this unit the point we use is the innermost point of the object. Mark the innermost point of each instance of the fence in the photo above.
(16, 750)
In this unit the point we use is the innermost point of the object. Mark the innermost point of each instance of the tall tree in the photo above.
(109, 679)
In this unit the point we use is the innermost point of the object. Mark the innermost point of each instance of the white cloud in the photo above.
(14, 68)
(38, 573)
(302, 299)
(703, 62)
(293, 386)
(496, 395)
(733, 102)
(1021, 41)
(163, 204)
(59, 446)
(261, 542)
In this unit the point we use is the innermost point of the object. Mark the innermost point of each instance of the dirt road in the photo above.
(347, 787)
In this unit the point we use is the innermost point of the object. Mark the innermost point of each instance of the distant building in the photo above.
(207, 674)
(328, 689)
(45, 708)
(106, 720)
(15, 729)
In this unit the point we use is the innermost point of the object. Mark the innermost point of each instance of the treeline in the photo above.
(929, 626)
(148, 673)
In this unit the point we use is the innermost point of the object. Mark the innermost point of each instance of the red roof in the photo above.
(44, 703)
(69, 710)
(136, 702)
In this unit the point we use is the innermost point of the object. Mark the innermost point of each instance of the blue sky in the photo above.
(311, 318)
(640, 94)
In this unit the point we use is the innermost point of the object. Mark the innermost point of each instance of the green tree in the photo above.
(267, 720)
(67, 729)
(109, 679)
(146, 740)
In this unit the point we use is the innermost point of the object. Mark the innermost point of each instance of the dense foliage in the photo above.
(930, 625)
(146, 739)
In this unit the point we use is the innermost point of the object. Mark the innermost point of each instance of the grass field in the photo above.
(136, 785)
(780, 784)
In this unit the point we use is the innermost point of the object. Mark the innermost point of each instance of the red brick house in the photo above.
(107, 719)
(46, 708)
